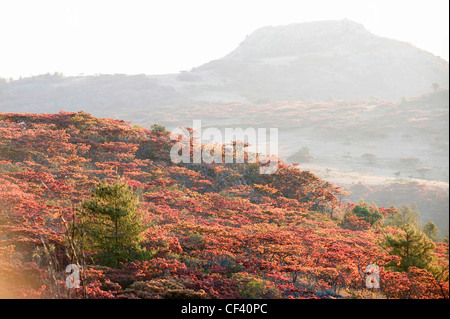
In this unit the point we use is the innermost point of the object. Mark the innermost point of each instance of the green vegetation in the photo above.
(112, 224)
(414, 248)
(407, 215)
(158, 128)
(430, 229)
(367, 215)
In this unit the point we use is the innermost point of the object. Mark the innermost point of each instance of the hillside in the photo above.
(211, 230)
(349, 142)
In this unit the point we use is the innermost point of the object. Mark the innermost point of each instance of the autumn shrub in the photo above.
(167, 288)
(353, 222)
(257, 289)
(252, 287)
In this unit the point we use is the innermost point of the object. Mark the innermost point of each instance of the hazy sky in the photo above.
(167, 36)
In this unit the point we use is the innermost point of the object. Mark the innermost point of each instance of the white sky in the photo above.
(167, 36)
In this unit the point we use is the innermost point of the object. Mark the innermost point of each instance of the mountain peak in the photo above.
(297, 39)
(337, 59)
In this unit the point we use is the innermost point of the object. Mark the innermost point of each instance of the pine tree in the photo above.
(413, 246)
(112, 224)
(431, 230)
(406, 215)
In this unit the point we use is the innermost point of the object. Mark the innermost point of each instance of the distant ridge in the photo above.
(326, 59)
(314, 61)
